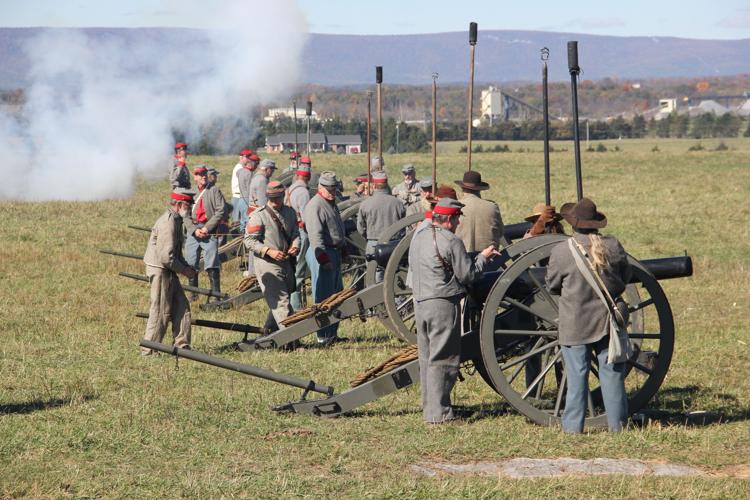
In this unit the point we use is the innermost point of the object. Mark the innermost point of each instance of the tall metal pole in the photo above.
(545, 109)
(472, 46)
(369, 136)
(308, 112)
(434, 133)
(574, 72)
(296, 139)
(378, 83)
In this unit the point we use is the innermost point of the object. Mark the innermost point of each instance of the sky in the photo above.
(717, 19)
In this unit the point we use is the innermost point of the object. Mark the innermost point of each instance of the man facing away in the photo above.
(164, 261)
(297, 197)
(481, 222)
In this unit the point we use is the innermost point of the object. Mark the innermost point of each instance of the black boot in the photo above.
(193, 282)
(213, 277)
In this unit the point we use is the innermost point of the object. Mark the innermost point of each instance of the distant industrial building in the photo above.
(496, 105)
(698, 105)
(276, 113)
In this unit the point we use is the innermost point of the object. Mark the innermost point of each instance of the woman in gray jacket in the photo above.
(584, 319)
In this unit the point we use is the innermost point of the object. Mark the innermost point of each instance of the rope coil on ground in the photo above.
(247, 283)
(401, 357)
(327, 305)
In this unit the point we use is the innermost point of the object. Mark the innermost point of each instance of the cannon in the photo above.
(510, 322)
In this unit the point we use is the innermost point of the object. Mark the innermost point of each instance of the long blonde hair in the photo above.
(599, 254)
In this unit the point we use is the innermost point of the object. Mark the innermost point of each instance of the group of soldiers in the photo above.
(290, 230)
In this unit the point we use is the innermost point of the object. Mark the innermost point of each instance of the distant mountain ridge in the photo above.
(501, 55)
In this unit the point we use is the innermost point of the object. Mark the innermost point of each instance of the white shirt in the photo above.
(236, 183)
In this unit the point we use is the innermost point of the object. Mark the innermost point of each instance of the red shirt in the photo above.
(200, 212)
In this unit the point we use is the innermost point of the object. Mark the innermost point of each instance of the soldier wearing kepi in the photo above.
(273, 238)
(408, 191)
(325, 230)
(244, 180)
(440, 270)
(425, 193)
(207, 215)
(297, 197)
(293, 158)
(481, 222)
(259, 183)
(164, 261)
(237, 203)
(179, 176)
(377, 213)
(361, 186)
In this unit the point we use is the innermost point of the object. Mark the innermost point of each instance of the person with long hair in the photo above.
(584, 319)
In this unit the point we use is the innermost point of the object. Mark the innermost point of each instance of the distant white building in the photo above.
(276, 113)
(491, 104)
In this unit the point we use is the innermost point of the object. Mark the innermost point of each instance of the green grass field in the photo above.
(83, 415)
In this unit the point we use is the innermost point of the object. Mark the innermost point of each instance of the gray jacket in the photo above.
(179, 176)
(164, 249)
(214, 205)
(377, 213)
(297, 197)
(263, 232)
(481, 224)
(323, 224)
(244, 179)
(429, 278)
(407, 193)
(258, 197)
(582, 314)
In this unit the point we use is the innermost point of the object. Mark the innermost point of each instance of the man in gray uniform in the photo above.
(179, 176)
(408, 191)
(273, 239)
(440, 271)
(481, 223)
(259, 183)
(325, 230)
(244, 180)
(297, 197)
(377, 213)
(377, 164)
(208, 212)
(164, 261)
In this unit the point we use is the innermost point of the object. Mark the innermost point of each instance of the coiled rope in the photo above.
(401, 357)
(247, 283)
(331, 302)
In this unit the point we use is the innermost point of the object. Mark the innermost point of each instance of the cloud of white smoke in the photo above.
(101, 107)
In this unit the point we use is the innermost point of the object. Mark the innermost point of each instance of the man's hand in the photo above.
(190, 273)
(293, 251)
(490, 252)
(201, 232)
(276, 255)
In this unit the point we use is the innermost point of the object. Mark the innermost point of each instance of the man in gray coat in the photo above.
(244, 180)
(164, 261)
(202, 227)
(273, 238)
(325, 230)
(377, 213)
(297, 197)
(179, 176)
(259, 183)
(440, 271)
(481, 222)
(408, 191)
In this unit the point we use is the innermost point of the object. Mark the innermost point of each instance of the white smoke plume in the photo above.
(101, 109)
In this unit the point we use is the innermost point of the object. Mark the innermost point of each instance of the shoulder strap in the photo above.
(446, 265)
(195, 203)
(592, 277)
(280, 226)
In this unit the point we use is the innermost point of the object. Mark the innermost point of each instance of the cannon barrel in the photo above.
(199, 291)
(121, 254)
(219, 325)
(308, 385)
(383, 251)
(662, 269)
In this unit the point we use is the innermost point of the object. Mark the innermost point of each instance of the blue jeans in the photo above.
(235, 208)
(611, 377)
(208, 246)
(241, 209)
(295, 298)
(324, 284)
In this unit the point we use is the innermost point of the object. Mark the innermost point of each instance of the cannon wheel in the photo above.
(507, 345)
(398, 301)
(354, 264)
(387, 236)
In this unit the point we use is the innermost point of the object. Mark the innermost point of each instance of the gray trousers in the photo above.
(300, 271)
(168, 303)
(611, 377)
(439, 344)
(276, 282)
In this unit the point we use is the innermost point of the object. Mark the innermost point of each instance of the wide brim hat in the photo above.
(539, 210)
(473, 181)
(584, 215)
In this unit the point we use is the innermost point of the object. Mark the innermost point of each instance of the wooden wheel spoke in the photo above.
(530, 354)
(560, 392)
(639, 366)
(524, 307)
(403, 292)
(530, 333)
(541, 376)
(637, 335)
(542, 289)
(590, 403)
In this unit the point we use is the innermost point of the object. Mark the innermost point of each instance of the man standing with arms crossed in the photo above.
(164, 261)
(440, 271)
